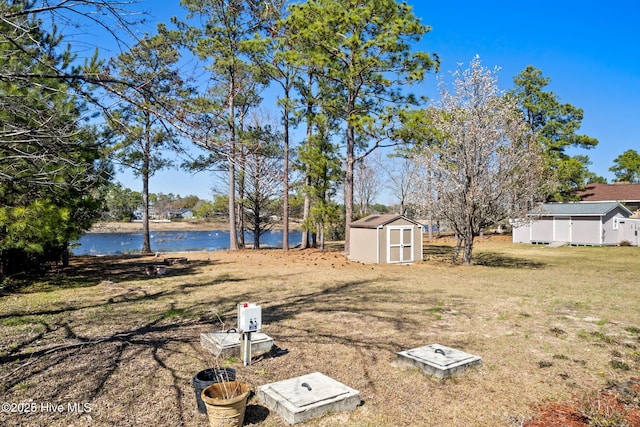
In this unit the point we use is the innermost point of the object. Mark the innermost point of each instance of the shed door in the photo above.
(400, 244)
(562, 229)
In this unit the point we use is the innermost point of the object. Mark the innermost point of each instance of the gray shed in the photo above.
(385, 239)
(580, 223)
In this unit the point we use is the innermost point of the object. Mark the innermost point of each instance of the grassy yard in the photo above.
(103, 344)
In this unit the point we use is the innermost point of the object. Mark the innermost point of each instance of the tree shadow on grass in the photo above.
(444, 254)
(441, 253)
(85, 365)
(68, 359)
(87, 358)
(350, 298)
(90, 271)
(493, 259)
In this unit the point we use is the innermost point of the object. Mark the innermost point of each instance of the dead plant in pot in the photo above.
(225, 398)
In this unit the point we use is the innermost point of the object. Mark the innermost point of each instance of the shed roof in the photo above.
(375, 221)
(621, 192)
(576, 209)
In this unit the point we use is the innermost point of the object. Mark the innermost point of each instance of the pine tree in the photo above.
(148, 84)
(222, 35)
(321, 161)
(627, 167)
(360, 51)
(554, 126)
(50, 160)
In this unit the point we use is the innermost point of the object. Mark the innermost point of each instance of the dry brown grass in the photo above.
(550, 325)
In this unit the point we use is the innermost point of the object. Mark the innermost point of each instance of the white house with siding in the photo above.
(578, 223)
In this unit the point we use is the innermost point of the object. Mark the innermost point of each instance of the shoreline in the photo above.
(132, 227)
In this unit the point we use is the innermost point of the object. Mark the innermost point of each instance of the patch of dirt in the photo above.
(617, 405)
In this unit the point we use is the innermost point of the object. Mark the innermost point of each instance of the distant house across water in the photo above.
(164, 216)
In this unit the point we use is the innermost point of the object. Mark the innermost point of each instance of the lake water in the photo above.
(171, 241)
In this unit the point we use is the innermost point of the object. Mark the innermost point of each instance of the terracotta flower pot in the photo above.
(226, 403)
(205, 378)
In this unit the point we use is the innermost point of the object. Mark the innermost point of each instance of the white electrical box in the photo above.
(249, 317)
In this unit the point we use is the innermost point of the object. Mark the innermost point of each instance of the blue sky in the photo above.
(589, 50)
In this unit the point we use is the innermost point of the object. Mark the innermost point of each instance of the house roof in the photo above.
(375, 221)
(621, 192)
(576, 209)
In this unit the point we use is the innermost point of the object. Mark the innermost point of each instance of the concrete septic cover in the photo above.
(228, 343)
(438, 360)
(309, 396)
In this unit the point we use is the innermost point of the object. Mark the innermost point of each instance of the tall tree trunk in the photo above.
(146, 240)
(321, 234)
(65, 255)
(304, 244)
(285, 199)
(233, 237)
(430, 209)
(257, 225)
(241, 194)
(456, 251)
(468, 249)
(348, 185)
(306, 209)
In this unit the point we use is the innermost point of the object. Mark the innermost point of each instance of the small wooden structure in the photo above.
(385, 239)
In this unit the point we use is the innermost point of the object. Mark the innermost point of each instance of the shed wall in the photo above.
(419, 242)
(629, 231)
(371, 245)
(400, 222)
(363, 246)
(586, 230)
(384, 243)
(613, 236)
(542, 230)
(521, 232)
(609, 235)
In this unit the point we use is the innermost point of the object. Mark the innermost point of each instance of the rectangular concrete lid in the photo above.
(309, 389)
(230, 339)
(441, 356)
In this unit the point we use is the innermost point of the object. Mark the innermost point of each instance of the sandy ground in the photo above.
(128, 227)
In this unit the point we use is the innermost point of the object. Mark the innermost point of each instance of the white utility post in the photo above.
(249, 320)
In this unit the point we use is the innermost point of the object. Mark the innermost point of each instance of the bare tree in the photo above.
(487, 168)
(366, 184)
(261, 174)
(400, 174)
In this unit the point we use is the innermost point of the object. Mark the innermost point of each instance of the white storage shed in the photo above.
(579, 223)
